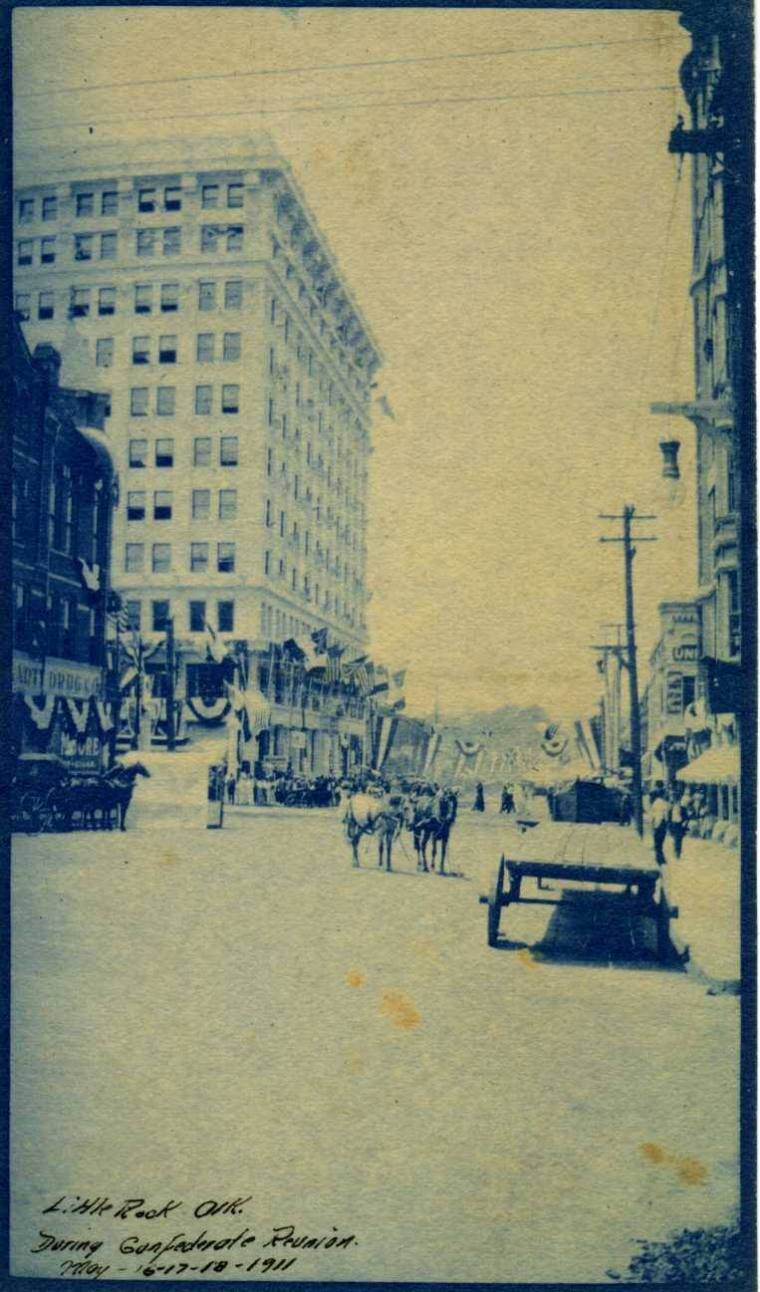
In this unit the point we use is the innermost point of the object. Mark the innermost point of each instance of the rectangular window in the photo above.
(164, 453)
(172, 199)
(282, 524)
(146, 242)
(228, 451)
(146, 199)
(172, 242)
(204, 351)
(85, 204)
(269, 462)
(50, 208)
(167, 349)
(235, 237)
(107, 300)
(108, 243)
(202, 451)
(209, 237)
(109, 203)
(143, 298)
(231, 346)
(225, 616)
(201, 504)
(25, 252)
(197, 616)
(234, 194)
(134, 557)
(203, 397)
(134, 615)
(162, 505)
(233, 294)
(227, 504)
(169, 298)
(138, 453)
(83, 246)
(160, 616)
(80, 302)
(162, 558)
(267, 562)
(104, 352)
(206, 296)
(26, 210)
(46, 305)
(198, 557)
(136, 505)
(165, 399)
(23, 305)
(47, 251)
(141, 349)
(225, 558)
(210, 196)
(230, 399)
(138, 401)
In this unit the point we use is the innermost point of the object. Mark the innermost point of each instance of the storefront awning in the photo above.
(716, 766)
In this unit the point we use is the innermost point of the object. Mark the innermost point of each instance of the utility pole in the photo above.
(170, 684)
(138, 693)
(629, 551)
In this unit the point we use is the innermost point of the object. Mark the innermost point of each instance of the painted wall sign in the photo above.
(61, 677)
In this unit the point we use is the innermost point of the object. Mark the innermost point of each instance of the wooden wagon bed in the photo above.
(597, 855)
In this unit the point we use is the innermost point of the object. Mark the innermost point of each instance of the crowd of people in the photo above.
(676, 813)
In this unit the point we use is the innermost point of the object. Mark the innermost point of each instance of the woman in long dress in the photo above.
(480, 803)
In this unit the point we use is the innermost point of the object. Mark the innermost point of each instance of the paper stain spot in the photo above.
(355, 1065)
(399, 1009)
(169, 858)
(527, 958)
(355, 979)
(688, 1169)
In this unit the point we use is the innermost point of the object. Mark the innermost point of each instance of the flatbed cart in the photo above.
(596, 855)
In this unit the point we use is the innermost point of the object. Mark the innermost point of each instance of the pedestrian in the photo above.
(626, 808)
(660, 817)
(507, 802)
(677, 823)
(480, 802)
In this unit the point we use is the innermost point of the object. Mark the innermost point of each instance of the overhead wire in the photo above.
(92, 123)
(332, 67)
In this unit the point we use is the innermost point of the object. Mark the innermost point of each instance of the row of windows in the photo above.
(322, 596)
(164, 455)
(161, 558)
(163, 504)
(165, 403)
(104, 246)
(81, 299)
(279, 623)
(160, 614)
(167, 348)
(168, 198)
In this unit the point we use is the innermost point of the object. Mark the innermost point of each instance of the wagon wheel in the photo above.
(662, 924)
(495, 902)
(34, 811)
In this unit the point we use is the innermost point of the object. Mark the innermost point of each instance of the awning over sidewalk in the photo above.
(716, 766)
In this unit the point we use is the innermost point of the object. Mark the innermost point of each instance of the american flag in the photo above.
(333, 668)
(357, 671)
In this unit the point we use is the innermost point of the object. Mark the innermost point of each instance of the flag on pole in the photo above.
(333, 666)
(319, 640)
(357, 672)
(215, 647)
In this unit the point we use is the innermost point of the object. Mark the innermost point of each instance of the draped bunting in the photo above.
(104, 717)
(79, 712)
(41, 717)
(210, 715)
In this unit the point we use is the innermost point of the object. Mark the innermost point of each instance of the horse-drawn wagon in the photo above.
(555, 857)
(48, 796)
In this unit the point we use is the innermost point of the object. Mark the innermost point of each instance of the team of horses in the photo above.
(97, 801)
(428, 815)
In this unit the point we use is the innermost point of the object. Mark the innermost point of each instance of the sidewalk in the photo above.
(704, 884)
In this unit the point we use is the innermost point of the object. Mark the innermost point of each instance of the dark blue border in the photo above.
(738, 15)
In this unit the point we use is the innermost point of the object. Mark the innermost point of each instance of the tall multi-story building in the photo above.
(62, 504)
(193, 285)
(671, 690)
(716, 77)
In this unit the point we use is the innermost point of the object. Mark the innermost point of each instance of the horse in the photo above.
(430, 819)
(367, 814)
(115, 790)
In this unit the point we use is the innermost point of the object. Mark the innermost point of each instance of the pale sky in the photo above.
(521, 252)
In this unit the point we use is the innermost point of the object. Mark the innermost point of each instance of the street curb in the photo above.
(716, 986)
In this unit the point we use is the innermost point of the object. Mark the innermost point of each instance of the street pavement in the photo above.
(201, 1014)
